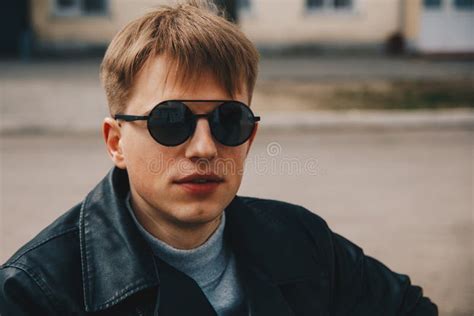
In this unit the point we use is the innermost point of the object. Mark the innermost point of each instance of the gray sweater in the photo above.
(212, 265)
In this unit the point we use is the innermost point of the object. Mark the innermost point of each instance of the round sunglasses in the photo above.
(172, 122)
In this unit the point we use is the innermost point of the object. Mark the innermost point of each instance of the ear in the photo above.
(112, 137)
(252, 137)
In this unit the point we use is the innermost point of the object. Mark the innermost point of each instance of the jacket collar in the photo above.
(263, 241)
(117, 262)
(271, 253)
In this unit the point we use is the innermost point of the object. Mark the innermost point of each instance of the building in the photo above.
(424, 26)
(430, 26)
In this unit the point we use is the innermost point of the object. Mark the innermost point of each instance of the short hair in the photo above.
(194, 35)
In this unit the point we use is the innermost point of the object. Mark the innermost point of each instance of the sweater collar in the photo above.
(204, 263)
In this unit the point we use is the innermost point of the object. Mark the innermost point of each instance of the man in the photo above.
(164, 232)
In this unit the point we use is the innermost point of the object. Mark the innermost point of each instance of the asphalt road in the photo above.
(405, 197)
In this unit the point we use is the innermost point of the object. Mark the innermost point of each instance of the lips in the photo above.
(197, 178)
(199, 184)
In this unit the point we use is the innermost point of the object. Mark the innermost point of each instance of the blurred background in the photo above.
(367, 120)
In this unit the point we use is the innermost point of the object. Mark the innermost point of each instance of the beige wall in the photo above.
(50, 28)
(272, 22)
(287, 21)
(411, 19)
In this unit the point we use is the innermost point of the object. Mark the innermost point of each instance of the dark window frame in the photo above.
(78, 9)
(433, 4)
(328, 5)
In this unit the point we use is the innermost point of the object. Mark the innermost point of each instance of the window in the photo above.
(66, 4)
(80, 7)
(464, 4)
(329, 4)
(432, 4)
(314, 4)
(342, 4)
(94, 6)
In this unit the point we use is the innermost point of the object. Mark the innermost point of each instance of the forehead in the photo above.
(160, 79)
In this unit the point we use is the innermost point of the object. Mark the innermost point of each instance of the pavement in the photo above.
(404, 196)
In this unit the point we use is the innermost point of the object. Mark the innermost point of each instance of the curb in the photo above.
(369, 120)
(389, 120)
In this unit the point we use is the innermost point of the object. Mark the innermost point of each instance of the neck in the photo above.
(172, 232)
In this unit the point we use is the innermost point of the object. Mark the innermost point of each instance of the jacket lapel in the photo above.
(268, 256)
(264, 296)
(116, 261)
(180, 295)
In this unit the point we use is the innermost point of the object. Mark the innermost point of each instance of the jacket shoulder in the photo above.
(68, 223)
(293, 221)
(23, 294)
(48, 267)
(291, 214)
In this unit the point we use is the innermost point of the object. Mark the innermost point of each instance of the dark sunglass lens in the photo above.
(171, 123)
(232, 123)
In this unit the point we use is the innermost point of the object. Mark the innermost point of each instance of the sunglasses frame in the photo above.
(131, 118)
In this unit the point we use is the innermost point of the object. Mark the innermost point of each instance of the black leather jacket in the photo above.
(92, 260)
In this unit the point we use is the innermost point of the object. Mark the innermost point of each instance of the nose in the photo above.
(201, 144)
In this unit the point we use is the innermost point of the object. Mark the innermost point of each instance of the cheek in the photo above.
(145, 158)
(233, 162)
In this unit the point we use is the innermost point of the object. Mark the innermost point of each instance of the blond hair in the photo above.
(195, 37)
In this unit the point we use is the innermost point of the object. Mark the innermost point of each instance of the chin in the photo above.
(198, 215)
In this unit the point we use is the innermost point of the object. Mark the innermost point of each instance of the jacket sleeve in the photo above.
(21, 294)
(364, 286)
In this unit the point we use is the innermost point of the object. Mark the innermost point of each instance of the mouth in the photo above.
(200, 184)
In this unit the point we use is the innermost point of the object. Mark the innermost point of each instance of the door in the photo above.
(447, 26)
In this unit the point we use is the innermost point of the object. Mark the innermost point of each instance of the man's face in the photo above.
(154, 169)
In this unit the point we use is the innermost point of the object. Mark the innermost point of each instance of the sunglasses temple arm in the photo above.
(130, 118)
